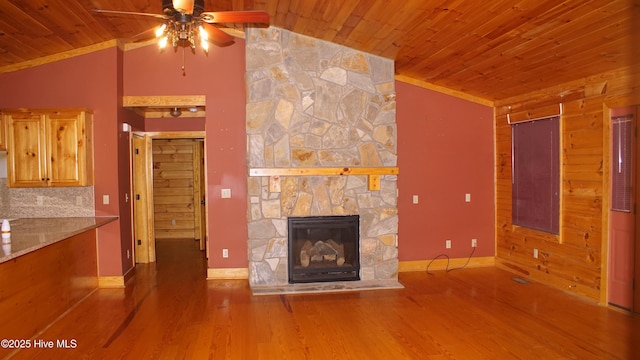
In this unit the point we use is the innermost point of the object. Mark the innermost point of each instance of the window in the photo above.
(621, 162)
(535, 174)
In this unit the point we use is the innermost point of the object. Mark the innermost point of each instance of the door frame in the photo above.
(142, 184)
(144, 213)
(200, 191)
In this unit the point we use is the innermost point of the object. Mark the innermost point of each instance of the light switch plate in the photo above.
(225, 193)
(415, 199)
(467, 197)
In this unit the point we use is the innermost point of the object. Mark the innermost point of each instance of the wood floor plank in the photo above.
(169, 311)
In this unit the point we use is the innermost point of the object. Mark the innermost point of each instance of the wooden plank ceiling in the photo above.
(491, 49)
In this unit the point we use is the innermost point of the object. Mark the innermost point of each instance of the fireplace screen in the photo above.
(324, 248)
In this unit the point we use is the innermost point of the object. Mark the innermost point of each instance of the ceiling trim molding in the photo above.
(61, 56)
(444, 90)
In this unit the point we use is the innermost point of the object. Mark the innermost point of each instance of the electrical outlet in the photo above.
(447, 244)
(467, 197)
(415, 199)
(474, 242)
(535, 253)
(225, 253)
(40, 200)
(78, 200)
(225, 193)
(128, 254)
(105, 199)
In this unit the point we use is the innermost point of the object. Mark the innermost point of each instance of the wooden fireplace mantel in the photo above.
(372, 172)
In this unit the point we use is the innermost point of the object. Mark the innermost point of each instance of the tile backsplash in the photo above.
(46, 202)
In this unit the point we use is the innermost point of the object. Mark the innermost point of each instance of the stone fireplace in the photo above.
(318, 116)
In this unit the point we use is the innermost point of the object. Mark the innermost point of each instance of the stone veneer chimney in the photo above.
(314, 104)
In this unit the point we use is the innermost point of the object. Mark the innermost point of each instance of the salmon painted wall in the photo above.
(445, 150)
(175, 124)
(89, 81)
(220, 77)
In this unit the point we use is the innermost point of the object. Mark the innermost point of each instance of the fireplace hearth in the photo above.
(324, 248)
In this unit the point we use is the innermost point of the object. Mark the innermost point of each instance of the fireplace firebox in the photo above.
(324, 248)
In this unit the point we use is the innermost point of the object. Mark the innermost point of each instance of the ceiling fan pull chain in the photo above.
(183, 68)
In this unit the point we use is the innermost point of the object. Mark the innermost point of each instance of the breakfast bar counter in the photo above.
(31, 234)
(48, 265)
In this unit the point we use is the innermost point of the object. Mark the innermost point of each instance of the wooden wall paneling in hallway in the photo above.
(173, 188)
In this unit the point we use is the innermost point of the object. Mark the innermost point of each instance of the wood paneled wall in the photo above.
(575, 260)
(173, 180)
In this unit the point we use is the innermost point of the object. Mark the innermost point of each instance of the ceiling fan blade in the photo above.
(258, 17)
(218, 36)
(183, 6)
(144, 36)
(116, 12)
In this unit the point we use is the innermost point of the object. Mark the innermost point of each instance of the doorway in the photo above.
(624, 250)
(169, 184)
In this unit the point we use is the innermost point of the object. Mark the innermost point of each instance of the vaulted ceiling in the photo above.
(489, 49)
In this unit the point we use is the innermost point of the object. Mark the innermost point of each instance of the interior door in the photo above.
(622, 215)
(145, 250)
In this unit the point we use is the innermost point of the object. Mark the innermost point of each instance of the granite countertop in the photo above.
(31, 234)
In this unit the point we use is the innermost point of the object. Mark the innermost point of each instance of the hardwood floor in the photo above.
(171, 312)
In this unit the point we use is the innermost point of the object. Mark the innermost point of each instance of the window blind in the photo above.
(536, 177)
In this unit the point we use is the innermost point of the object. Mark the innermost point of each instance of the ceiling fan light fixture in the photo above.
(178, 33)
(162, 43)
(204, 38)
(203, 33)
(160, 30)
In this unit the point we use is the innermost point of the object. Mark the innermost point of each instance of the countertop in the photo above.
(31, 234)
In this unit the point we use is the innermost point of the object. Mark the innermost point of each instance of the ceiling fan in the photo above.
(185, 21)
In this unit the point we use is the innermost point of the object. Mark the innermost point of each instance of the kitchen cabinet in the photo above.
(49, 147)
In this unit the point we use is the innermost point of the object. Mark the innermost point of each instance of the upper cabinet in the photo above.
(52, 147)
